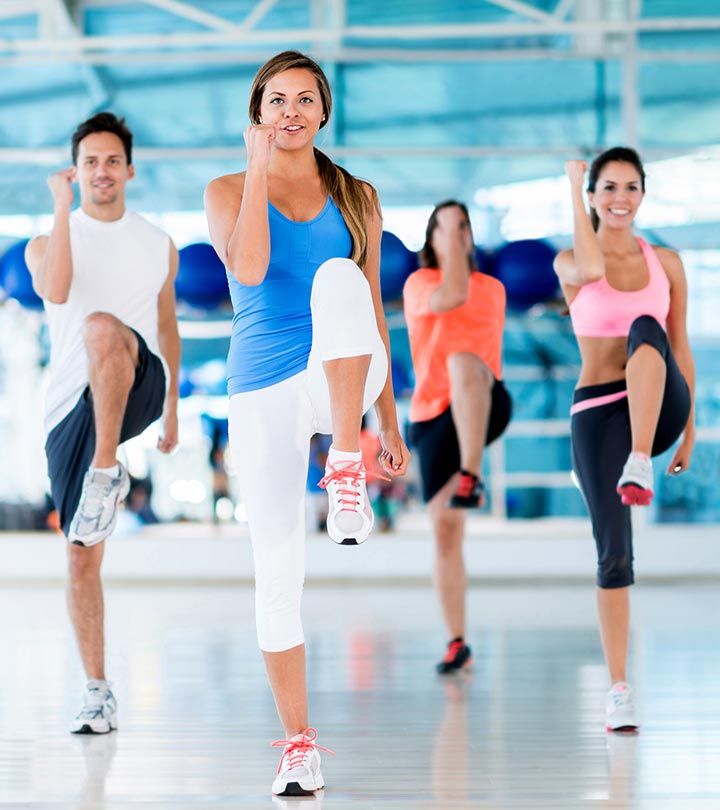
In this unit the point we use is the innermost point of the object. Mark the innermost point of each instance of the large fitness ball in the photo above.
(396, 264)
(201, 281)
(15, 277)
(526, 270)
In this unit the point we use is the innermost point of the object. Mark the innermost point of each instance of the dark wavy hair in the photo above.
(426, 254)
(103, 122)
(618, 154)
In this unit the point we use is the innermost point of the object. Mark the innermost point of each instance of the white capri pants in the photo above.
(270, 431)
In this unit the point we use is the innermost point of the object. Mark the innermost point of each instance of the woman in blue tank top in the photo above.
(300, 239)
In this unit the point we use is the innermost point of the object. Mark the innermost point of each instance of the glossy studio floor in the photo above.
(524, 729)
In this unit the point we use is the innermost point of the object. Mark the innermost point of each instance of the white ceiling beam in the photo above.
(52, 156)
(524, 9)
(17, 8)
(563, 8)
(190, 12)
(257, 14)
(401, 33)
(353, 56)
(58, 21)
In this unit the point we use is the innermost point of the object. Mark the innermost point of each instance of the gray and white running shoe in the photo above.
(99, 712)
(620, 709)
(97, 511)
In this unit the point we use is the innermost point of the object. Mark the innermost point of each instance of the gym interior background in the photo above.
(476, 102)
(480, 100)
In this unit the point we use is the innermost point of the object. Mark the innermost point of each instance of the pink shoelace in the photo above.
(296, 750)
(353, 473)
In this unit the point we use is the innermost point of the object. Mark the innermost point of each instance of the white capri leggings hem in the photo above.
(270, 431)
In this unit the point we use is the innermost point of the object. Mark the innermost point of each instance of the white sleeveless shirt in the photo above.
(118, 267)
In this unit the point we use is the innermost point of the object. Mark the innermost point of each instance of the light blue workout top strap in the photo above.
(272, 326)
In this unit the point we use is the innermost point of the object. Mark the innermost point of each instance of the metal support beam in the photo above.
(405, 33)
(524, 9)
(257, 14)
(17, 8)
(563, 8)
(189, 12)
(52, 156)
(354, 56)
(59, 20)
(630, 93)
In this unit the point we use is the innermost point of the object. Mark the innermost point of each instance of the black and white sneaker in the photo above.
(99, 712)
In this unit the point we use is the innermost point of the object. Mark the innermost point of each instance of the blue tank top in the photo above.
(272, 326)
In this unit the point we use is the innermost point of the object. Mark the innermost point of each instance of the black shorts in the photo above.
(70, 445)
(602, 441)
(437, 446)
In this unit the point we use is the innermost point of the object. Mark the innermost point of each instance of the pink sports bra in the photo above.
(599, 310)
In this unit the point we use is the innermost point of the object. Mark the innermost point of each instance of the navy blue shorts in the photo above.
(70, 445)
(436, 442)
(601, 443)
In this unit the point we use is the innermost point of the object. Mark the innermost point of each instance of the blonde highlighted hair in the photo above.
(348, 193)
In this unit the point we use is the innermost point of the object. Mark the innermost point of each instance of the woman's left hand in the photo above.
(395, 455)
(681, 460)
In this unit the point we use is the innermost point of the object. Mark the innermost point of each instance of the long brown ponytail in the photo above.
(348, 193)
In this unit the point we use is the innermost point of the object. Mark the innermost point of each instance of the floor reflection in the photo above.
(524, 728)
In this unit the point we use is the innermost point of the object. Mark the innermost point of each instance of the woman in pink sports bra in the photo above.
(634, 397)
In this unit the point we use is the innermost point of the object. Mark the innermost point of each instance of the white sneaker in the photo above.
(635, 486)
(350, 517)
(97, 511)
(620, 709)
(299, 773)
(99, 713)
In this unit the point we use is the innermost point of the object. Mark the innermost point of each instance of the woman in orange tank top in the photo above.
(634, 397)
(455, 317)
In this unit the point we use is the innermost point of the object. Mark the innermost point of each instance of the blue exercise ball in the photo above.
(396, 264)
(526, 269)
(402, 377)
(484, 261)
(16, 279)
(201, 281)
(186, 386)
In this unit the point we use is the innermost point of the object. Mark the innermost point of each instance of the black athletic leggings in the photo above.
(602, 441)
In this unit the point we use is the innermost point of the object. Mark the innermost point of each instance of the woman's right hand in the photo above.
(259, 139)
(575, 170)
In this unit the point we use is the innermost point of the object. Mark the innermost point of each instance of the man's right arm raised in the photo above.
(49, 258)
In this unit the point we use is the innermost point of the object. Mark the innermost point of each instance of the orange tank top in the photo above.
(475, 327)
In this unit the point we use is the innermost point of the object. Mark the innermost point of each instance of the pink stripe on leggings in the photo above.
(596, 402)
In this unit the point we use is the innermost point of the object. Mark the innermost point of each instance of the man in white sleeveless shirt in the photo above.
(106, 276)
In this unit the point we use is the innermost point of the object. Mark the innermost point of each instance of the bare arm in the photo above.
(585, 263)
(169, 342)
(395, 455)
(680, 345)
(452, 292)
(237, 218)
(49, 258)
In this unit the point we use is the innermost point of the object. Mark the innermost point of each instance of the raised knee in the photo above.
(646, 330)
(101, 331)
(468, 369)
(342, 276)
